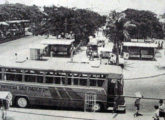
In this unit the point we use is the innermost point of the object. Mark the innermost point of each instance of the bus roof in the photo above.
(57, 41)
(137, 44)
(52, 65)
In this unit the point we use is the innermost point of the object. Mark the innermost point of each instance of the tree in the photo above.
(147, 23)
(117, 30)
(80, 23)
(19, 12)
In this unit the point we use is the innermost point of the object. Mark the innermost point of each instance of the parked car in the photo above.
(92, 49)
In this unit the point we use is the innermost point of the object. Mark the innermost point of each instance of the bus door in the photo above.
(112, 91)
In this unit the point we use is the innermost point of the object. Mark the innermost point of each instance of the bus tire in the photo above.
(97, 107)
(22, 102)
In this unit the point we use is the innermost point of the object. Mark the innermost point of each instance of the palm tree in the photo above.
(117, 30)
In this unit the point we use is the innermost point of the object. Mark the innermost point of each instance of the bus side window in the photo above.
(62, 81)
(69, 78)
(92, 82)
(49, 79)
(0, 73)
(69, 81)
(17, 77)
(30, 78)
(9, 76)
(83, 82)
(39, 79)
(57, 80)
(75, 81)
(100, 83)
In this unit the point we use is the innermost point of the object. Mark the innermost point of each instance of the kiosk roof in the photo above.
(57, 42)
(137, 44)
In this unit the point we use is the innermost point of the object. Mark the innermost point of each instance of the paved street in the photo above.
(149, 87)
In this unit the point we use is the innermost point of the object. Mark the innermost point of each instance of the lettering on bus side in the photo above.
(31, 90)
(7, 87)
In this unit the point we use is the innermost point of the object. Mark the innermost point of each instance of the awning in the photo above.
(57, 42)
(39, 46)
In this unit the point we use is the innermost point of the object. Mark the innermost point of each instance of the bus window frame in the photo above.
(62, 77)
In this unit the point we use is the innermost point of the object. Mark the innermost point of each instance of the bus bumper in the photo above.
(121, 108)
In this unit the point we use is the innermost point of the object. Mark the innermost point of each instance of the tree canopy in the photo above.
(147, 24)
(79, 22)
(54, 20)
(19, 11)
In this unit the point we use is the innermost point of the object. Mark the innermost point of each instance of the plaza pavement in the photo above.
(31, 114)
(149, 87)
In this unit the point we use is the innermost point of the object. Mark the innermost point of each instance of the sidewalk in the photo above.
(34, 114)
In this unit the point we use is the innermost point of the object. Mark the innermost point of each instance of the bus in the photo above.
(13, 29)
(63, 85)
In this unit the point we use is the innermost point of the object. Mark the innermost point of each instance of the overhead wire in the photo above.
(152, 76)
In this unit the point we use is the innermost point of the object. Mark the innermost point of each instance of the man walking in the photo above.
(161, 109)
(156, 113)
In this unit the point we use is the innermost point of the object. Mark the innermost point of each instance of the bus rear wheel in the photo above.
(97, 107)
(22, 102)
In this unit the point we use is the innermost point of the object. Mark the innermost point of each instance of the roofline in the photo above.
(135, 44)
(60, 70)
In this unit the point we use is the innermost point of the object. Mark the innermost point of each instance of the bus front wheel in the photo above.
(22, 102)
(97, 107)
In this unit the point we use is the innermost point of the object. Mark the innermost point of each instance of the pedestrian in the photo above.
(101, 57)
(159, 45)
(137, 105)
(16, 55)
(162, 45)
(5, 106)
(156, 113)
(161, 109)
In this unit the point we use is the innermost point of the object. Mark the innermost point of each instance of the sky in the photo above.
(100, 6)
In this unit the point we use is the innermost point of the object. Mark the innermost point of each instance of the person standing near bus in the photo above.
(161, 109)
(137, 105)
(5, 106)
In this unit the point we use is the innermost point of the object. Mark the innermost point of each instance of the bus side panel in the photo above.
(53, 96)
